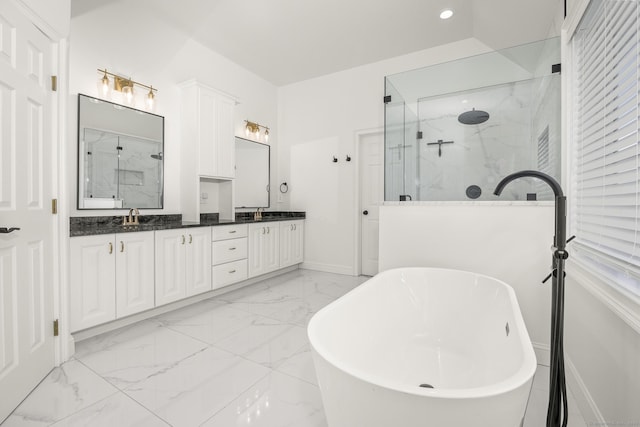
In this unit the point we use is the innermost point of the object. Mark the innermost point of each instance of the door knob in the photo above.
(365, 212)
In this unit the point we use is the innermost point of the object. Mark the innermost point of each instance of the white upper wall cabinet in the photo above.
(207, 145)
(208, 130)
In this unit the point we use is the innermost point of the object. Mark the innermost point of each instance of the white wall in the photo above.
(137, 45)
(506, 240)
(324, 115)
(602, 349)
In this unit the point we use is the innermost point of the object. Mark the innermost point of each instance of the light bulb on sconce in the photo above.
(127, 94)
(150, 98)
(104, 84)
(252, 129)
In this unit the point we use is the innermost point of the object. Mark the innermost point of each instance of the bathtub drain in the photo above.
(426, 386)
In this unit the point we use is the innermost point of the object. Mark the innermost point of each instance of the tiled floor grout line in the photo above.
(119, 390)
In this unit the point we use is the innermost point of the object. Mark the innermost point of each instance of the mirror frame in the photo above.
(268, 173)
(80, 160)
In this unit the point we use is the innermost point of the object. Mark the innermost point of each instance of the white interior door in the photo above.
(26, 303)
(371, 197)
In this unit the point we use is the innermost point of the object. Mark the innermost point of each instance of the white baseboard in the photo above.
(329, 268)
(585, 402)
(543, 353)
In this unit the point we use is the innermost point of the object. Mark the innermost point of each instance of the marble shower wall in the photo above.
(481, 154)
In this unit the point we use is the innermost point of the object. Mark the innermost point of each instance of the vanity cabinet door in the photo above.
(198, 260)
(170, 265)
(264, 255)
(271, 247)
(254, 258)
(92, 281)
(291, 243)
(134, 272)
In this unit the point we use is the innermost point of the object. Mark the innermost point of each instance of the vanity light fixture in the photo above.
(125, 86)
(446, 14)
(253, 129)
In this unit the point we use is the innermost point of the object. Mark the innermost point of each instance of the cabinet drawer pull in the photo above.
(268, 230)
(183, 240)
(232, 271)
(121, 246)
(295, 226)
(110, 248)
(190, 239)
(232, 249)
(232, 231)
(263, 230)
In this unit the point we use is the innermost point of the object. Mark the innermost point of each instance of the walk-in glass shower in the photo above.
(453, 130)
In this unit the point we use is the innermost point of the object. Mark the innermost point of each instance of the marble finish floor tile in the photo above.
(197, 387)
(277, 400)
(265, 341)
(129, 356)
(241, 358)
(212, 325)
(300, 365)
(66, 390)
(116, 410)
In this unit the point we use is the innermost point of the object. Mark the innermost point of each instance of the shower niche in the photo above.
(453, 130)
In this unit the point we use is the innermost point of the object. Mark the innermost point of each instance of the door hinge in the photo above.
(387, 99)
(54, 83)
(419, 135)
(56, 330)
(556, 68)
(54, 206)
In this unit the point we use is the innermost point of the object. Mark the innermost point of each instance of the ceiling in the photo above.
(286, 41)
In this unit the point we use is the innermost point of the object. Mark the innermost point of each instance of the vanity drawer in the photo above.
(228, 250)
(231, 272)
(225, 232)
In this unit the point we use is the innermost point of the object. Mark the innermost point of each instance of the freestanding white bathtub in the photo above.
(424, 347)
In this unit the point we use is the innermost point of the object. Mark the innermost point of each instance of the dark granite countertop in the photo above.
(95, 225)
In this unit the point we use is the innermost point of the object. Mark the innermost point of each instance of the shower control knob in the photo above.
(365, 212)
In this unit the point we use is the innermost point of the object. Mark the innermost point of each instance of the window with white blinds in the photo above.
(606, 196)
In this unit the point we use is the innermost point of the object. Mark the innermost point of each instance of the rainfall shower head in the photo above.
(473, 117)
(158, 156)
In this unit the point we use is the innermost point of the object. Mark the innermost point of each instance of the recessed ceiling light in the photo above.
(446, 14)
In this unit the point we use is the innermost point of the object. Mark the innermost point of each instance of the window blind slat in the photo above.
(606, 215)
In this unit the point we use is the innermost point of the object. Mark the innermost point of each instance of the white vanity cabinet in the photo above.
(264, 248)
(291, 243)
(228, 254)
(111, 277)
(183, 263)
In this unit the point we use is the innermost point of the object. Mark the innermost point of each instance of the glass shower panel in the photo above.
(394, 135)
(456, 129)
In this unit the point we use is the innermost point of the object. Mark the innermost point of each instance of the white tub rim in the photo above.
(523, 375)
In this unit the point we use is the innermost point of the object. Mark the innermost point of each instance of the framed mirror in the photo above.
(252, 174)
(120, 156)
